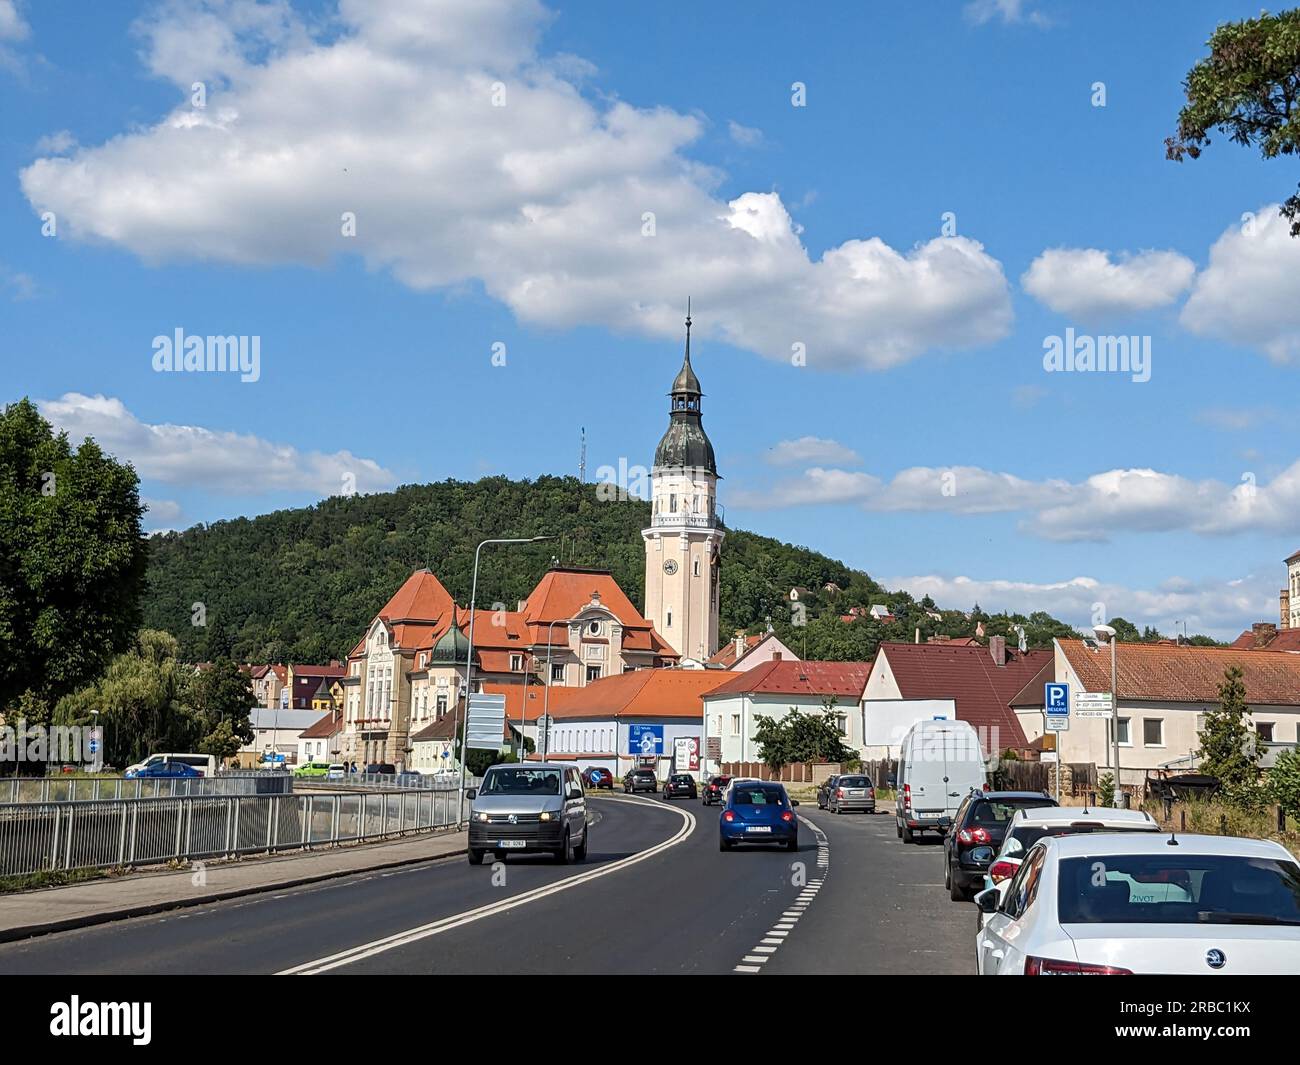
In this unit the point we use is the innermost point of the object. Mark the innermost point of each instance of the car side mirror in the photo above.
(471, 793)
(794, 802)
(987, 900)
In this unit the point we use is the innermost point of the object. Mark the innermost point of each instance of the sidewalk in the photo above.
(32, 913)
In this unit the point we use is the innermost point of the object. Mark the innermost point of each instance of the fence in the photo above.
(108, 833)
(74, 789)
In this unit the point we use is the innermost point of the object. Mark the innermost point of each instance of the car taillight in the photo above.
(728, 816)
(971, 836)
(1000, 871)
(1051, 967)
(839, 793)
(907, 796)
(787, 816)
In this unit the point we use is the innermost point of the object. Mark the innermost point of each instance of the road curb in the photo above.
(90, 920)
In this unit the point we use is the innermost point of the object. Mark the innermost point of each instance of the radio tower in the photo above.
(582, 459)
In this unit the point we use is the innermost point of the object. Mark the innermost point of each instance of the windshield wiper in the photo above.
(1220, 917)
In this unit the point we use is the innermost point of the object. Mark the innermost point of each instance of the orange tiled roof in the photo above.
(1185, 674)
(726, 654)
(420, 598)
(643, 693)
(844, 680)
(322, 729)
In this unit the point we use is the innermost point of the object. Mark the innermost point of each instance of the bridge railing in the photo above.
(103, 786)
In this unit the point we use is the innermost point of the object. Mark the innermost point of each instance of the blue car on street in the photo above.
(166, 770)
(758, 812)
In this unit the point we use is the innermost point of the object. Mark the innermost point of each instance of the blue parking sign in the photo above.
(1056, 699)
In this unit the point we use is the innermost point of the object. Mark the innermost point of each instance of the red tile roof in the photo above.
(1185, 674)
(1282, 640)
(726, 654)
(980, 689)
(319, 671)
(644, 693)
(420, 598)
(322, 729)
(844, 680)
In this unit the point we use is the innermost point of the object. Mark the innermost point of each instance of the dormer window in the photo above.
(593, 628)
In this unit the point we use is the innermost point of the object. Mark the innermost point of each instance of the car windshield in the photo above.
(999, 811)
(521, 782)
(746, 796)
(854, 782)
(1172, 889)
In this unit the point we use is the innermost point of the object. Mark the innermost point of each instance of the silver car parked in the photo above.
(526, 809)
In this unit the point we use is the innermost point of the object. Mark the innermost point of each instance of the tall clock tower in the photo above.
(684, 542)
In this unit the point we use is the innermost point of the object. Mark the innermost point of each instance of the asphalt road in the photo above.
(654, 896)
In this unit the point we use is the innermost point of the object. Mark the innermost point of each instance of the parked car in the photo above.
(381, 769)
(164, 771)
(824, 792)
(939, 762)
(852, 792)
(597, 777)
(1029, 825)
(523, 808)
(978, 829)
(715, 789)
(312, 769)
(679, 784)
(337, 771)
(640, 780)
(206, 764)
(1112, 904)
(758, 812)
(409, 779)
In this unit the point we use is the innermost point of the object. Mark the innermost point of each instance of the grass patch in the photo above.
(48, 878)
(1212, 818)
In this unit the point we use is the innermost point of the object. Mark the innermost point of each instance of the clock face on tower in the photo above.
(670, 567)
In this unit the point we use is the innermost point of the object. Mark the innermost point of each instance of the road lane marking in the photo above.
(446, 924)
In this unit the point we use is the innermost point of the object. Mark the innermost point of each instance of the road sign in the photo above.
(1057, 723)
(485, 722)
(1056, 699)
(645, 740)
(1093, 705)
(715, 748)
(686, 754)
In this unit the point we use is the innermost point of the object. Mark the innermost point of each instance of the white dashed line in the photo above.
(753, 963)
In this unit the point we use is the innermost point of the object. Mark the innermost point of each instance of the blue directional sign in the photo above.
(645, 739)
(1056, 699)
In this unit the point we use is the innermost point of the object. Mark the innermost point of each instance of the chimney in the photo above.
(1284, 602)
(740, 642)
(1264, 633)
(998, 649)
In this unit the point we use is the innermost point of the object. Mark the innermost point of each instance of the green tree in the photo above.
(221, 697)
(72, 561)
(1227, 749)
(1125, 630)
(1248, 88)
(1284, 782)
(801, 737)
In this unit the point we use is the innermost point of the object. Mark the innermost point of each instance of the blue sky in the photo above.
(921, 440)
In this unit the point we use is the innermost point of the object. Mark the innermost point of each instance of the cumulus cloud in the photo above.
(1221, 608)
(13, 27)
(1007, 11)
(811, 449)
(745, 136)
(1090, 284)
(1094, 509)
(467, 155)
(212, 460)
(1250, 291)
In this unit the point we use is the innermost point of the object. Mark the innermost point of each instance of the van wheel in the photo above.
(565, 854)
(898, 828)
(475, 857)
(907, 835)
(580, 852)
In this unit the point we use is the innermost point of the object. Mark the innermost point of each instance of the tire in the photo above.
(836, 810)
(723, 845)
(908, 837)
(955, 891)
(580, 853)
(792, 845)
(947, 875)
(565, 854)
(475, 856)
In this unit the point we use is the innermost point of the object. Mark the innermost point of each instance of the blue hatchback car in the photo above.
(166, 770)
(758, 812)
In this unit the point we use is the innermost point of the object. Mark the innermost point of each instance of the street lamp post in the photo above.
(1117, 797)
(544, 734)
(469, 658)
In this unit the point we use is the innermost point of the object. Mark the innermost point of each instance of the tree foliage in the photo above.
(800, 737)
(1248, 88)
(1227, 749)
(72, 562)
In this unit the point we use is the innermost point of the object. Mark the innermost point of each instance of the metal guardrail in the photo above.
(404, 782)
(74, 789)
(109, 833)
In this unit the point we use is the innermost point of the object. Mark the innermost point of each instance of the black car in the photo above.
(640, 780)
(680, 784)
(381, 769)
(978, 829)
(715, 790)
(824, 792)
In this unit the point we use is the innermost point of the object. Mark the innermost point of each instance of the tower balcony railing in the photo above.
(691, 521)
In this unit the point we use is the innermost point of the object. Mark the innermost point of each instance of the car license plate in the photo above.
(759, 828)
(508, 843)
(855, 794)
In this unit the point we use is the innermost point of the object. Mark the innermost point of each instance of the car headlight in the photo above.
(482, 817)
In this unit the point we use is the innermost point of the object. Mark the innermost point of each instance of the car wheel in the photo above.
(565, 854)
(580, 852)
(947, 875)
(475, 857)
(955, 890)
(907, 835)
(723, 845)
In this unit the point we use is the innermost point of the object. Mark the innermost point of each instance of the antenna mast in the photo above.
(582, 459)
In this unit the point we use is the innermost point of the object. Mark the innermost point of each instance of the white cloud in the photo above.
(542, 199)
(163, 515)
(745, 136)
(1089, 284)
(1008, 11)
(1250, 291)
(212, 460)
(811, 449)
(1094, 509)
(56, 143)
(1213, 607)
(13, 27)
(1236, 419)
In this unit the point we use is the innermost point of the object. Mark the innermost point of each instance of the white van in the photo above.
(938, 764)
(206, 764)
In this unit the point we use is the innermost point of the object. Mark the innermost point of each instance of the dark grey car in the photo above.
(526, 809)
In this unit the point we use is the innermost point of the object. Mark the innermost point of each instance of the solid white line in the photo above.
(446, 924)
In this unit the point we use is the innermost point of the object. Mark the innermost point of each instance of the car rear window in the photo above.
(681, 780)
(746, 796)
(854, 782)
(1173, 889)
(1000, 811)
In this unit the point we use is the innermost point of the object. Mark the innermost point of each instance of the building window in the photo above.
(442, 704)
(1124, 740)
(516, 663)
(557, 673)
(735, 724)
(593, 672)
(697, 567)
(668, 620)
(672, 503)
(1153, 732)
(1264, 730)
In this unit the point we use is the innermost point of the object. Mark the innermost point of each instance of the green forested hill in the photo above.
(301, 585)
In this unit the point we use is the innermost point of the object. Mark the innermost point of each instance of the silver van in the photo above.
(528, 808)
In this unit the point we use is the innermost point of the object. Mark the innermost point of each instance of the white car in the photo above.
(1124, 903)
(1030, 824)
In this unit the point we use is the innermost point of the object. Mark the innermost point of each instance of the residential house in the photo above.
(303, 683)
(320, 742)
(743, 652)
(275, 732)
